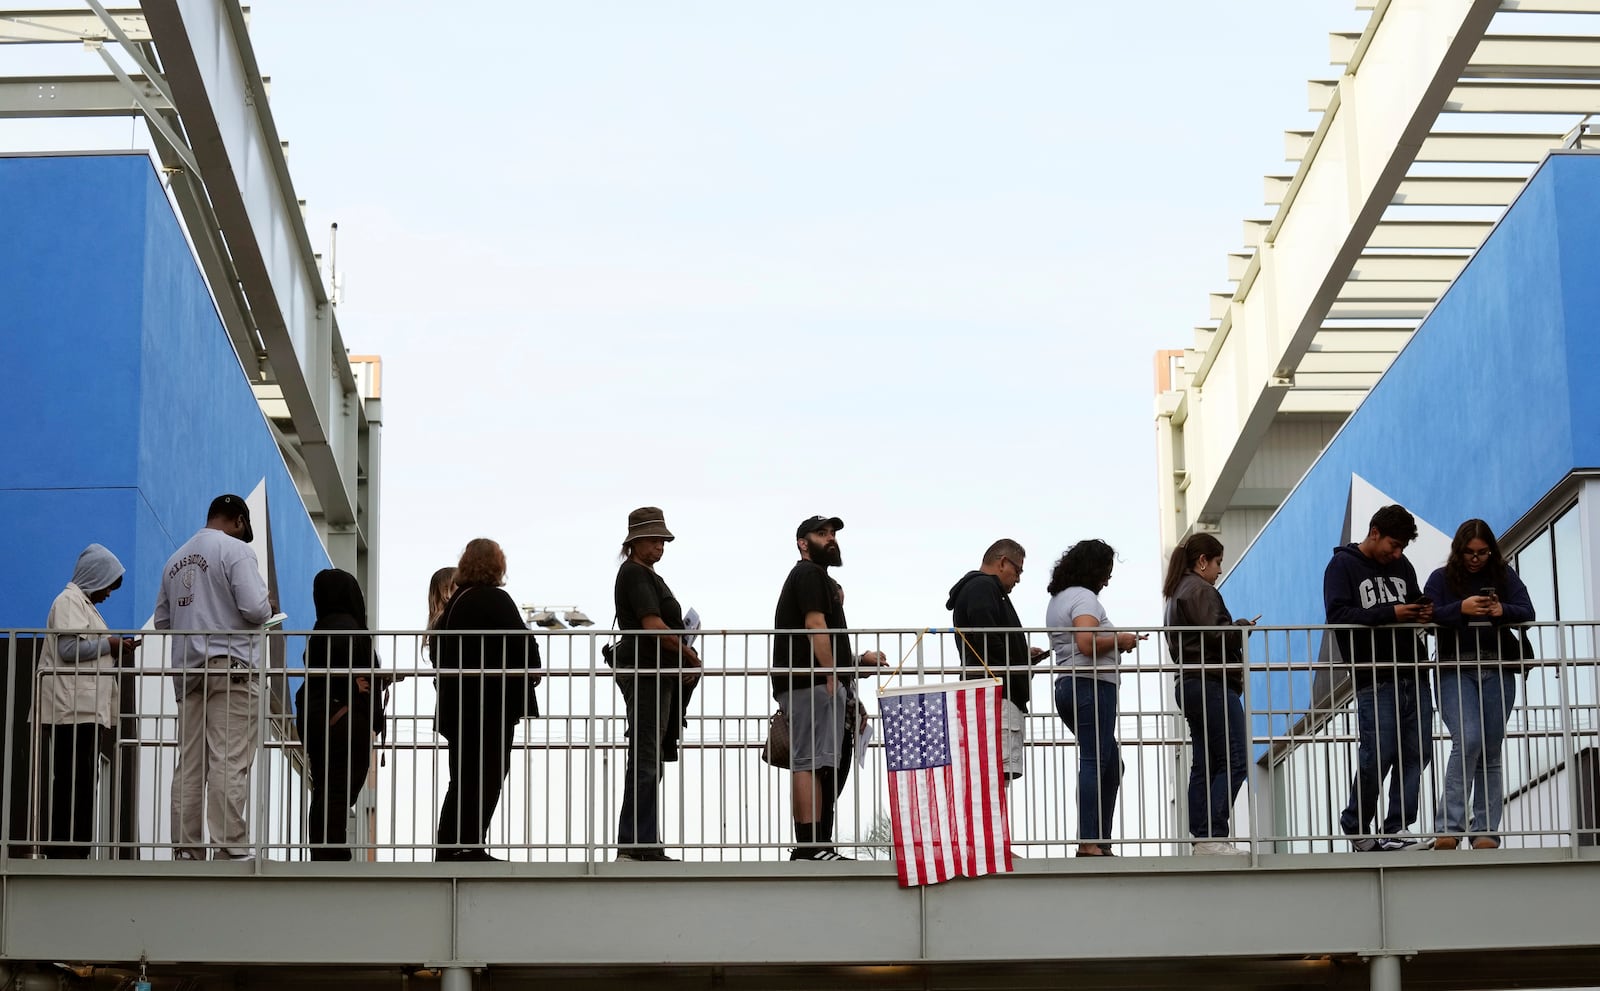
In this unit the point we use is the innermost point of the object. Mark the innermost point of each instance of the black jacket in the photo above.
(505, 692)
(978, 602)
(340, 606)
(1213, 654)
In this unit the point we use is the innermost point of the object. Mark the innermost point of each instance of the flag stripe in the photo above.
(948, 803)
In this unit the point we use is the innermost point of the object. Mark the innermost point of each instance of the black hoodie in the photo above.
(978, 602)
(1357, 589)
(340, 606)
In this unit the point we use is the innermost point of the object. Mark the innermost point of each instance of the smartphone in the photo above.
(1488, 590)
(1424, 601)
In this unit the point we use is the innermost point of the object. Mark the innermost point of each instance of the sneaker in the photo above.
(1217, 848)
(1365, 844)
(185, 855)
(821, 854)
(1405, 841)
(1446, 843)
(645, 856)
(1485, 843)
(471, 855)
(238, 858)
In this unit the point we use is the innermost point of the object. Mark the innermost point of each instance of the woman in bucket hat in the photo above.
(651, 677)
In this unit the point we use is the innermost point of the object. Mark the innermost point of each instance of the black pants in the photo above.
(74, 750)
(654, 705)
(480, 759)
(339, 754)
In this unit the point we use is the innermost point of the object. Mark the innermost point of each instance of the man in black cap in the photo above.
(212, 583)
(812, 694)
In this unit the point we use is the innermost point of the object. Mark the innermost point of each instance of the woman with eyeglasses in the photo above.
(1477, 600)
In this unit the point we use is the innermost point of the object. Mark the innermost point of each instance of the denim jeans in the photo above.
(1475, 703)
(1218, 755)
(1089, 708)
(653, 706)
(1394, 720)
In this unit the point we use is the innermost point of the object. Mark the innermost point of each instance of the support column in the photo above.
(1384, 971)
(460, 979)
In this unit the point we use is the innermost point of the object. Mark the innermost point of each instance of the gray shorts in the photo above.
(1012, 735)
(816, 726)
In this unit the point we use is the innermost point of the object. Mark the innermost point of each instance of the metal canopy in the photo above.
(207, 110)
(1442, 110)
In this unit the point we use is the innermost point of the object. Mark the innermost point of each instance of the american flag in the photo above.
(946, 801)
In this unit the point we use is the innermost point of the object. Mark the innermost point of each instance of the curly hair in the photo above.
(482, 563)
(1087, 564)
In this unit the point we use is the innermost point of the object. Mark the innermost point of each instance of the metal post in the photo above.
(1250, 797)
(460, 979)
(6, 810)
(1383, 969)
(1569, 751)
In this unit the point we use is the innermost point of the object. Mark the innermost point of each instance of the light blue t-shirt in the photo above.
(1066, 606)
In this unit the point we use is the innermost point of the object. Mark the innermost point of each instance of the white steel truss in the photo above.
(198, 89)
(1441, 111)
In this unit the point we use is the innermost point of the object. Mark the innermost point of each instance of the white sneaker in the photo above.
(1217, 848)
(244, 857)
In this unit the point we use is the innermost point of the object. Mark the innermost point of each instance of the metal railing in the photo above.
(721, 802)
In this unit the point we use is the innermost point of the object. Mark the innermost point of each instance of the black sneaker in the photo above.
(818, 854)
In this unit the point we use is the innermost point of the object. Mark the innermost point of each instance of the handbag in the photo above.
(775, 750)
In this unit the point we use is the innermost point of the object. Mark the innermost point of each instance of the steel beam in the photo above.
(218, 91)
(280, 913)
(45, 27)
(1399, 73)
(75, 96)
(1527, 98)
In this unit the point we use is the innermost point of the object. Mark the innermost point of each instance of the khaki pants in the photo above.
(218, 719)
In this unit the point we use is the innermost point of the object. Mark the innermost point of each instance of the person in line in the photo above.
(1477, 599)
(982, 600)
(1209, 689)
(1372, 584)
(78, 700)
(338, 713)
(652, 673)
(808, 687)
(1086, 694)
(213, 583)
(480, 707)
(440, 587)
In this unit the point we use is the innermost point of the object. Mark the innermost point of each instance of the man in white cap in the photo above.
(212, 583)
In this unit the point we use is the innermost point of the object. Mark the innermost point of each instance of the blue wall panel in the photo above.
(1488, 407)
(136, 410)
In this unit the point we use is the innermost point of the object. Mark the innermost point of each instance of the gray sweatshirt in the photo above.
(213, 583)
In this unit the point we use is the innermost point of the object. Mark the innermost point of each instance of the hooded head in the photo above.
(335, 593)
(98, 569)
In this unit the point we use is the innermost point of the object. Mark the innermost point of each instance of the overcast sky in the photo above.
(904, 263)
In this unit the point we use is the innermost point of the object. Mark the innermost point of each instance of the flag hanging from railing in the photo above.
(947, 801)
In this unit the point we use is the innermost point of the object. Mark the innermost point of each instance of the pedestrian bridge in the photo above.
(1300, 910)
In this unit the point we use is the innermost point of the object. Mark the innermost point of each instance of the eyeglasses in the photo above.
(1014, 565)
(1469, 552)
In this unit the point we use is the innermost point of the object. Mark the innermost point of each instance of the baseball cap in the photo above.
(815, 523)
(232, 507)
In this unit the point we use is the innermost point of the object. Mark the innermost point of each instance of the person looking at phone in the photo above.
(1477, 599)
(213, 584)
(1210, 689)
(78, 700)
(1086, 691)
(1372, 584)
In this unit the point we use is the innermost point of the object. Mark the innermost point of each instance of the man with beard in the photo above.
(808, 688)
